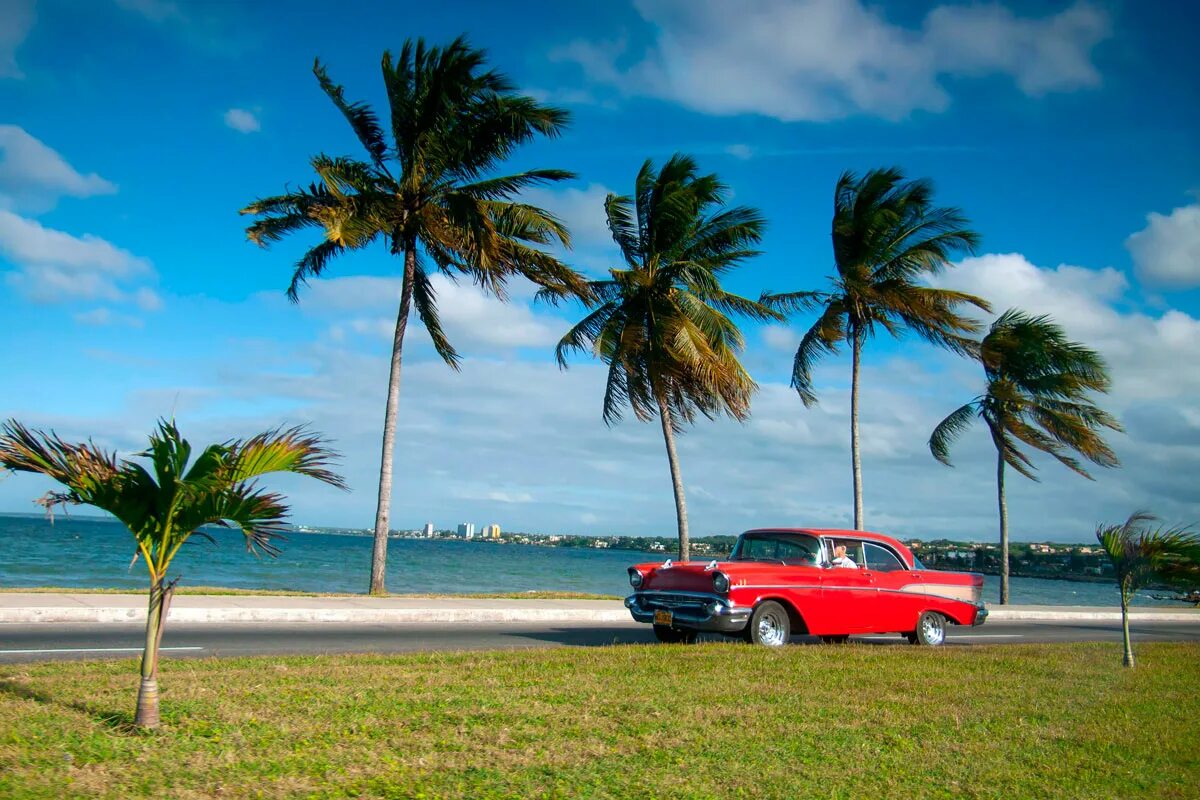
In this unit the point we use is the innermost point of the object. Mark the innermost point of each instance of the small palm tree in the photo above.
(887, 239)
(1037, 395)
(172, 500)
(1141, 554)
(428, 194)
(661, 322)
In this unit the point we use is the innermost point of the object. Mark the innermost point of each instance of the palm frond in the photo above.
(425, 299)
(950, 429)
(295, 449)
(360, 116)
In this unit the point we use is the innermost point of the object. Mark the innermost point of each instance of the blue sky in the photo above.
(132, 131)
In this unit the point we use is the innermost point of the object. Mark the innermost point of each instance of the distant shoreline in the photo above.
(399, 534)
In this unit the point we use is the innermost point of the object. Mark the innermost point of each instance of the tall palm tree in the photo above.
(661, 322)
(172, 500)
(888, 237)
(428, 194)
(1141, 554)
(1037, 395)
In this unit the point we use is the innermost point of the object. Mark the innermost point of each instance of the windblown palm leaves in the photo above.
(661, 323)
(888, 238)
(426, 190)
(1141, 554)
(173, 500)
(1038, 383)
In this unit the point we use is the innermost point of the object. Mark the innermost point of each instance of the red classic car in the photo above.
(781, 581)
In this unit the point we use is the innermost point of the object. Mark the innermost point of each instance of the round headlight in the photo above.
(635, 578)
(720, 582)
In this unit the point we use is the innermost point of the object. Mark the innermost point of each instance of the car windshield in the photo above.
(798, 549)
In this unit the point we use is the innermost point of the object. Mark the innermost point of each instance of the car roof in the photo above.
(840, 533)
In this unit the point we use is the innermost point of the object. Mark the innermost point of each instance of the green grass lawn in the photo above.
(637, 721)
(532, 594)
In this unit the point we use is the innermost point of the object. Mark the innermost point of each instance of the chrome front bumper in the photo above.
(980, 615)
(698, 611)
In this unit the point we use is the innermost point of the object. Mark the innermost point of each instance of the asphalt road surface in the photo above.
(28, 643)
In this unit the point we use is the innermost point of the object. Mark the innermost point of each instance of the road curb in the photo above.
(525, 612)
(391, 616)
(1100, 615)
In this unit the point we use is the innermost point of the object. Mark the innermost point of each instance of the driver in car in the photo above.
(840, 559)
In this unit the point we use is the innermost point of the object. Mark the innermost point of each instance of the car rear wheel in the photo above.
(668, 635)
(769, 625)
(931, 630)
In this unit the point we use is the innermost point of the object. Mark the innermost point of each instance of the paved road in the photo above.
(27, 643)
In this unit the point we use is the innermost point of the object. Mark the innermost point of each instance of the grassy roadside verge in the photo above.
(221, 590)
(631, 721)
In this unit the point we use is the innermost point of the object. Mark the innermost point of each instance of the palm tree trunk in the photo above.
(856, 354)
(147, 702)
(1128, 660)
(384, 506)
(1003, 528)
(664, 415)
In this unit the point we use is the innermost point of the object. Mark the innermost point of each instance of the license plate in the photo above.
(663, 617)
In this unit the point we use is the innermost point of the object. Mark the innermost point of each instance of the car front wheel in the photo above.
(769, 625)
(931, 630)
(668, 635)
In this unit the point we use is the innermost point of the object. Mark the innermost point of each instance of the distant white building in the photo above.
(428, 530)
(466, 530)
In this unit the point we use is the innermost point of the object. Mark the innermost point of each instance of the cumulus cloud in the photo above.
(828, 59)
(34, 176)
(16, 20)
(1145, 352)
(1167, 251)
(53, 265)
(581, 209)
(242, 120)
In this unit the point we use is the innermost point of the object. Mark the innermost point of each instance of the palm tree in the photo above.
(1037, 394)
(661, 322)
(1140, 554)
(887, 239)
(429, 195)
(174, 499)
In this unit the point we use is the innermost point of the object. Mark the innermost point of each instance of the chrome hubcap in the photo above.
(933, 630)
(770, 631)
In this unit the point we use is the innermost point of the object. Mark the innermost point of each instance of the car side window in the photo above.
(881, 559)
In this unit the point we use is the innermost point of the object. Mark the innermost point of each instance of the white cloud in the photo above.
(27, 241)
(581, 209)
(34, 176)
(106, 316)
(781, 337)
(242, 120)
(53, 265)
(828, 59)
(1145, 352)
(742, 152)
(16, 20)
(1167, 250)
(1046, 54)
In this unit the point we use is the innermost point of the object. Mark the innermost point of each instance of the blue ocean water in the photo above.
(84, 552)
